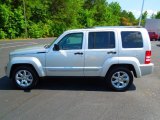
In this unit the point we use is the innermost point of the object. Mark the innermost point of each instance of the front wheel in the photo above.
(24, 77)
(120, 79)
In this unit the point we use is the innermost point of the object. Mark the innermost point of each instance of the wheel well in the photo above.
(128, 66)
(18, 65)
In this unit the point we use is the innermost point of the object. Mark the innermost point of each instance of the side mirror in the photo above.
(56, 47)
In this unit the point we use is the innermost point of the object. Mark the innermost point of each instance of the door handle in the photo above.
(111, 52)
(78, 53)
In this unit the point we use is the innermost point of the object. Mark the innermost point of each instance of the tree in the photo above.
(46, 18)
(153, 16)
(127, 18)
(100, 13)
(144, 17)
(157, 16)
(65, 15)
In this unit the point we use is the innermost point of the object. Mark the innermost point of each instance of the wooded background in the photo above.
(48, 18)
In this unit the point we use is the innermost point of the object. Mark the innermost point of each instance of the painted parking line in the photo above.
(18, 45)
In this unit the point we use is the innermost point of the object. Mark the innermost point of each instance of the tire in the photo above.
(24, 77)
(119, 79)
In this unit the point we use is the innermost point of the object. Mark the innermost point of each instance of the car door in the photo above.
(69, 59)
(102, 46)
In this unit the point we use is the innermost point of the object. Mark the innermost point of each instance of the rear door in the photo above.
(101, 46)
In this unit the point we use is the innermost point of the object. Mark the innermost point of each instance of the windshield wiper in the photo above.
(46, 46)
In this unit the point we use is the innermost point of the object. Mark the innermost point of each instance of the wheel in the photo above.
(24, 77)
(120, 79)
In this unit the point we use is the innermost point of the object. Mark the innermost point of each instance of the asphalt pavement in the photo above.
(78, 99)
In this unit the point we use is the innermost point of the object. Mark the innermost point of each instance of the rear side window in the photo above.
(132, 39)
(101, 40)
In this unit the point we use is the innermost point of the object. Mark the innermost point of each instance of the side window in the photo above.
(131, 39)
(71, 41)
(101, 40)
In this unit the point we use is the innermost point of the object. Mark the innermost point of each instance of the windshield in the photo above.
(49, 45)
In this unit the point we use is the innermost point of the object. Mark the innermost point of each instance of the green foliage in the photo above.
(114, 11)
(144, 17)
(86, 19)
(2, 34)
(47, 18)
(4, 15)
(157, 16)
(65, 16)
(127, 19)
(35, 30)
(153, 16)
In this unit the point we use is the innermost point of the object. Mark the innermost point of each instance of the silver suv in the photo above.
(117, 54)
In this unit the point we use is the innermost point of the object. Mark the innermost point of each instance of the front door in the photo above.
(69, 60)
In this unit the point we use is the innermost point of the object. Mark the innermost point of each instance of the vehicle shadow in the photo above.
(73, 84)
(78, 84)
(6, 84)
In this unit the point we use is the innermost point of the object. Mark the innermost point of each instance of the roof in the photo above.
(118, 27)
(106, 27)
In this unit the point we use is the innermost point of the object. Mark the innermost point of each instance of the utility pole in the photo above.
(24, 9)
(141, 14)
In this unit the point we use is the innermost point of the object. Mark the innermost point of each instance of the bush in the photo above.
(48, 29)
(35, 31)
(59, 28)
(2, 34)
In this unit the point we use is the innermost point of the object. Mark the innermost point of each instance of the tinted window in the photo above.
(132, 39)
(71, 41)
(101, 40)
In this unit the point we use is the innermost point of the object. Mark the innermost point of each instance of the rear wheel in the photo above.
(25, 77)
(120, 79)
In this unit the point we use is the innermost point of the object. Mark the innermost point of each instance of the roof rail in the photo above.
(117, 27)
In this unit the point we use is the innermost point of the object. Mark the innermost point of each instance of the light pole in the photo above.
(141, 14)
(24, 9)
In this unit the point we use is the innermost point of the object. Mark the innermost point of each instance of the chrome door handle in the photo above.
(78, 53)
(111, 52)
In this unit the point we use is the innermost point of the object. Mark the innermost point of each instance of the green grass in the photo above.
(19, 39)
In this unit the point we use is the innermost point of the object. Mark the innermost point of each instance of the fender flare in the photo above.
(121, 60)
(29, 60)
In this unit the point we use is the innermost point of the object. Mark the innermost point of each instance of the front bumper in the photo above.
(7, 70)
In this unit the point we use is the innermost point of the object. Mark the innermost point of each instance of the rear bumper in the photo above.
(146, 69)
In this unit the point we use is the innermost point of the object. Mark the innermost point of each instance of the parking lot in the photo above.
(78, 99)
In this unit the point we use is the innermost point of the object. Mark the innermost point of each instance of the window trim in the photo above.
(131, 47)
(110, 31)
(73, 33)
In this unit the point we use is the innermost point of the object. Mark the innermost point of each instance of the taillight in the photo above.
(148, 57)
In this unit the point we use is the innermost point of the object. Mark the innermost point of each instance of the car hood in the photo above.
(30, 50)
